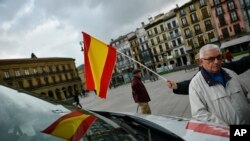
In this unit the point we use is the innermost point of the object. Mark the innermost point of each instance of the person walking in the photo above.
(216, 94)
(77, 101)
(140, 94)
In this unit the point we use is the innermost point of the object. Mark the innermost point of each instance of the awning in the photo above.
(237, 41)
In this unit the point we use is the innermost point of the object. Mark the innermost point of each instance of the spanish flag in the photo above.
(99, 63)
(71, 126)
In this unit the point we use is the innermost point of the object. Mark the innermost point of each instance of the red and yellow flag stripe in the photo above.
(99, 63)
(71, 126)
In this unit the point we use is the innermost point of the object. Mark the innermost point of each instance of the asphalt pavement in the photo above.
(163, 100)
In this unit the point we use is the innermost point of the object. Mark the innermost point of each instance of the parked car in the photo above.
(24, 115)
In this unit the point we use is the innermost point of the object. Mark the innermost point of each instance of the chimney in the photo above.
(142, 24)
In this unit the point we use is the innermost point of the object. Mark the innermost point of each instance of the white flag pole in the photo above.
(141, 65)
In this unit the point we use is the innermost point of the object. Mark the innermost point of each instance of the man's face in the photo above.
(212, 61)
(138, 74)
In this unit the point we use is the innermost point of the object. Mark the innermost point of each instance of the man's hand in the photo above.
(171, 84)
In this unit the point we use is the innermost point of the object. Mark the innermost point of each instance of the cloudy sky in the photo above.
(52, 28)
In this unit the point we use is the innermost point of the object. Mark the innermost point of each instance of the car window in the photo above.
(23, 117)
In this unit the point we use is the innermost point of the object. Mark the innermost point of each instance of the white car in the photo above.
(23, 117)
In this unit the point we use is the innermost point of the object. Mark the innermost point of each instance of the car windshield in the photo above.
(23, 117)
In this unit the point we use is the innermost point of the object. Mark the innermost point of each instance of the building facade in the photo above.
(144, 50)
(197, 25)
(157, 41)
(50, 77)
(176, 51)
(230, 24)
(124, 66)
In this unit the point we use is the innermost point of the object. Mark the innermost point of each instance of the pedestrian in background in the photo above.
(140, 94)
(228, 55)
(77, 101)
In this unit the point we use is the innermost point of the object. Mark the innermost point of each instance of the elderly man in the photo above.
(216, 94)
(140, 93)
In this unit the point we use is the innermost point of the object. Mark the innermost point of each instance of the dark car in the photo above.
(24, 116)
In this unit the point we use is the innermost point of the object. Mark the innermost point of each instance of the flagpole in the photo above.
(142, 65)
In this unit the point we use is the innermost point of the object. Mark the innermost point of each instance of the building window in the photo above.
(187, 33)
(179, 41)
(194, 18)
(30, 82)
(160, 48)
(6, 74)
(237, 28)
(158, 39)
(231, 5)
(17, 73)
(208, 25)
(34, 71)
(190, 43)
(204, 13)
(20, 84)
(169, 25)
(197, 29)
(216, 2)
(43, 69)
(54, 79)
(46, 79)
(202, 3)
(233, 16)
(247, 2)
(174, 23)
(184, 21)
(191, 8)
(155, 30)
(164, 36)
(152, 42)
(162, 28)
(182, 51)
(174, 43)
(222, 21)
(176, 32)
(171, 34)
(225, 32)
(211, 35)
(150, 33)
(201, 41)
(26, 72)
(64, 68)
(166, 45)
(38, 81)
(182, 13)
(219, 11)
(155, 52)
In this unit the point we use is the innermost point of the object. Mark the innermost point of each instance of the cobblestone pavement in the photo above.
(163, 101)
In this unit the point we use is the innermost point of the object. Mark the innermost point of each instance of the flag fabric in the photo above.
(71, 126)
(100, 60)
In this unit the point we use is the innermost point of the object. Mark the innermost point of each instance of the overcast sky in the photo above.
(52, 28)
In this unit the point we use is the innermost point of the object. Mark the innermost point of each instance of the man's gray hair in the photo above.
(208, 47)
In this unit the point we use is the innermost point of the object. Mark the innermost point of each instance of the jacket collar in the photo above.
(210, 81)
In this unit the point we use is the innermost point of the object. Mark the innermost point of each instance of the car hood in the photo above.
(188, 129)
